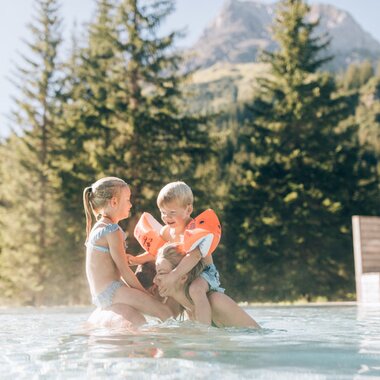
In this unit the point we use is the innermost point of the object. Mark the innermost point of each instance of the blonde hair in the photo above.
(172, 253)
(97, 195)
(175, 191)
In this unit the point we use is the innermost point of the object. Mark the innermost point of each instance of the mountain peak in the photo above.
(242, 30)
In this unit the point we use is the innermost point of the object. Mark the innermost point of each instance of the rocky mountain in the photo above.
(242, 30)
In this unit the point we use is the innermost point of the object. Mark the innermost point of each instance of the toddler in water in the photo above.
(175, 202)
(109, 276)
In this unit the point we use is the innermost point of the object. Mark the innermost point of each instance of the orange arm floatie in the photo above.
(204, 231)
(147, 233)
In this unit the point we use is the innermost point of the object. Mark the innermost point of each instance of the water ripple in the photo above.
(294, 343)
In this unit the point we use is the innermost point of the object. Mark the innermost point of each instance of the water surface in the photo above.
(309, 342)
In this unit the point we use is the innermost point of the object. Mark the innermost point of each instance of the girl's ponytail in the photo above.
(87, 209)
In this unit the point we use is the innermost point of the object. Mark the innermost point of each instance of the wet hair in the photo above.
(97, 195)
(172, 253)
(175, 191)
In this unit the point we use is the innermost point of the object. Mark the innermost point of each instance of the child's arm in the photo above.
(140, 259)
(117, 250)
(185, 266)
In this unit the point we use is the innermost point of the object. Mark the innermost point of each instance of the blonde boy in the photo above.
(175, 202)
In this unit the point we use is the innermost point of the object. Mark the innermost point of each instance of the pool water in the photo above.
(308, 342)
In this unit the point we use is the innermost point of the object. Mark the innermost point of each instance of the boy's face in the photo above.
(175, 215)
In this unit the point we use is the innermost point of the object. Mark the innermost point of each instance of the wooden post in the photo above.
(366, 237)
(357, 256)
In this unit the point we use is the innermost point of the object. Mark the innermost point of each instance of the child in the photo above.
(106, 261)
(225, 312)
(175, 202)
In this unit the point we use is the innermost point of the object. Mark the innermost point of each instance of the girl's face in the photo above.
(175, 215)
(163, 267)
(124, 202)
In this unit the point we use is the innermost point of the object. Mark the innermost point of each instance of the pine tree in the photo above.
(155, 141)
(366, 72)
(83, 132)
(297, 177)
(351, 78)
(33, 235)
(368, 118)
(123, 113)
(88, 117)
(357, 75)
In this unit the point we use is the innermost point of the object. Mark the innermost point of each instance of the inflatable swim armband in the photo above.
(147, 233)
(204, 231)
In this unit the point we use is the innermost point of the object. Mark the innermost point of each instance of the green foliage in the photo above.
(218, 88)
(368, 117)
(357, 75)
(296, 178)
(31, 218)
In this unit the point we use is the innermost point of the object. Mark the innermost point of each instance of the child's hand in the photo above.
(167, 283)
(131, 259)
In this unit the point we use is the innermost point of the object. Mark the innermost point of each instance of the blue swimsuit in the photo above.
(94, 237)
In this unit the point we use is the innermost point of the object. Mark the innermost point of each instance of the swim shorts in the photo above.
(211, 275)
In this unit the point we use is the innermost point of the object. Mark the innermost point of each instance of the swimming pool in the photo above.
(308, 342)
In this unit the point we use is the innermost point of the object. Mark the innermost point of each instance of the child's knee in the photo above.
(198, 288)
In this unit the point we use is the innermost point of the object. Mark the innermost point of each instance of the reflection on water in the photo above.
(368, 324)
(295, 343)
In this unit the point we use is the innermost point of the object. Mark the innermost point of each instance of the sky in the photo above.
(191, 15)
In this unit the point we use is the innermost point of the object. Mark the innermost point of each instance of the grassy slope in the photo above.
(222, 85)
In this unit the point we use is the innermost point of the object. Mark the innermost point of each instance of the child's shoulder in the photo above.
(102, 229)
